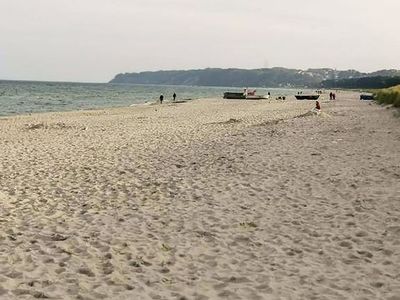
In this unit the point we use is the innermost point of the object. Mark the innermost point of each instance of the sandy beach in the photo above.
(210, 199)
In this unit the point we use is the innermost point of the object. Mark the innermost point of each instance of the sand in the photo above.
(210, 199)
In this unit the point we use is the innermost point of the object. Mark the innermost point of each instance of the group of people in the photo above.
(332, 96)
(162, 97)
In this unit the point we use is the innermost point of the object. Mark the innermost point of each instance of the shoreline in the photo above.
(207, 199)
(25, 98)
(290, 98)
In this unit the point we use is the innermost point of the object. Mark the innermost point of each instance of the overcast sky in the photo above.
(92, 40)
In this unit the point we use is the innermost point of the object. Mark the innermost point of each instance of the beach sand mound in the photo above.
(41, 125)
(227, 122)
(314, 113)
(230, 121)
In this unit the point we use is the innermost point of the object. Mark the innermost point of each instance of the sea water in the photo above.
(26, 97)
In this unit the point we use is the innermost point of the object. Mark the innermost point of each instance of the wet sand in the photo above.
(210, 199)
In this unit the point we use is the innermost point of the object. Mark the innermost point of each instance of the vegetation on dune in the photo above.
(389, 96)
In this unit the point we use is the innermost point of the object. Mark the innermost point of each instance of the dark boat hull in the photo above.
(307, 97)
(257, 97)
(366, 97)
(233, 95)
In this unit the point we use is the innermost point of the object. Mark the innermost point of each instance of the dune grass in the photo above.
(390, 96)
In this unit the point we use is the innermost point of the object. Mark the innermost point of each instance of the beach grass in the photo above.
(390, 96)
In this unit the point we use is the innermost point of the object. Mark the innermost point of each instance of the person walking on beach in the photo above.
(174, 96)
(161, 98)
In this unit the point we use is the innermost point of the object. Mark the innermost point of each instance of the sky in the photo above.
(93, 40)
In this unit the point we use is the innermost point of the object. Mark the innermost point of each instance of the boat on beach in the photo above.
(367, 96)
(257, 97)
(234, 95)
(306, 97)
(246, 95)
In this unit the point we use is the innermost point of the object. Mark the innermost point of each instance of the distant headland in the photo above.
(267, 77)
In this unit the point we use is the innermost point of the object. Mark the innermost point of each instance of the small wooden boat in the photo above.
(306, 97)
(234, 95)
(256, 97)
(250, 96)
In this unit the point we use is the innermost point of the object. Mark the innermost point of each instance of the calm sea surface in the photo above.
(25, 97)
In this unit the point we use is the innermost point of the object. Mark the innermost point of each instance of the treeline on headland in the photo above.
(376, 82)
(267, 77)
